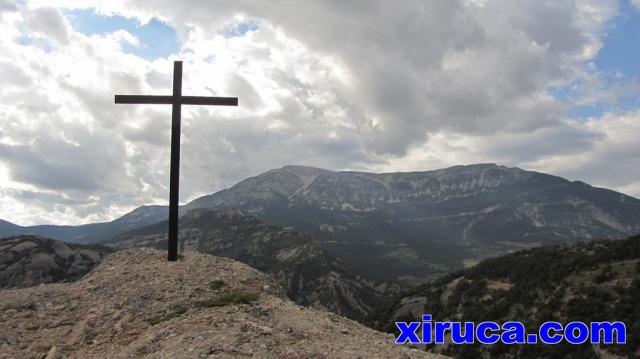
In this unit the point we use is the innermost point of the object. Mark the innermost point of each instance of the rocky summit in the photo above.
(26, 261)
(136, 304)
(308, 274)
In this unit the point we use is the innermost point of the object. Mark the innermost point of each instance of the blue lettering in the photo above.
(407, 332)
(457, 337)
(481, 332)
(545, 337)
(426, 329)
(608, 329)
(441, 331)
(570, 333)
(514, 333)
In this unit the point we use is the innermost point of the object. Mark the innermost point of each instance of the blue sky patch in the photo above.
(621, 49)
(157, 39)
(617, 63)
(239, 29)
(27, 40)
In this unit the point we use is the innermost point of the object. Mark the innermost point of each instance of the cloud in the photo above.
(48, 23)
(65, 159)
(7, 6)
(12, 74)
(336, 84)
(601, 151)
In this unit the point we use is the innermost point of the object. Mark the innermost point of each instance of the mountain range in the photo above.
(420, 225)
(409, 226)
(92, 232)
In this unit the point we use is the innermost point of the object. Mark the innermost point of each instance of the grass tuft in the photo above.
(232, 297)
(216, 284)
(162, 318)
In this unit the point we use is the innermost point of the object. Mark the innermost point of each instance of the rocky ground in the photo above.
(135, 304)
(309, 275)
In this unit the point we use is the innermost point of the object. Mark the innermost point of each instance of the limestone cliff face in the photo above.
(28, 260)
(423, 224)
(136, 304)
(308, 274)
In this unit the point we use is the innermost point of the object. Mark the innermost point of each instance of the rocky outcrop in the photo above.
(308, 274)
(26, 261)
(136, 304)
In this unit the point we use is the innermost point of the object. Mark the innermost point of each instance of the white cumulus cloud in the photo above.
(372, 85)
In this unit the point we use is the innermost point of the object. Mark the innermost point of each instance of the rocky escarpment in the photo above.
(136, 304)
(28, 260)
(308, 274)
(424, 224)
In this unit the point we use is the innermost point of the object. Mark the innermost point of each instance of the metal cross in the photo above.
(176, 100)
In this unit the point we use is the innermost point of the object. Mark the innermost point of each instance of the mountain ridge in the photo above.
(405, 219)
(420, 224)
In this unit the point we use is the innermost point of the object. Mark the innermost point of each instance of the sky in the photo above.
(381, 86)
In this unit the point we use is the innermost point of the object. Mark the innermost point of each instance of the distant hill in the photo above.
(93, 232)
(136, 304)
(409, 226)
(26, 261)
(309, 275)
(8, 229)
(595, 281)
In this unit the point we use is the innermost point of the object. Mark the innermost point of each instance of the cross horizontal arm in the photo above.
(184, 100)
(202, 100)
(144, 99)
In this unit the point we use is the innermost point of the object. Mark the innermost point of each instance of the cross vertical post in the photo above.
(174, 176)
(176, 100)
